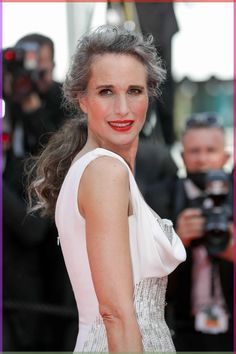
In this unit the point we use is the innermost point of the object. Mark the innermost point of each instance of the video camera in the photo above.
(217, 211)
(20, 68)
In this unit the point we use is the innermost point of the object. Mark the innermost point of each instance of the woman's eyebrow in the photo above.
(104, 86)
(111, 86)
(136, 86)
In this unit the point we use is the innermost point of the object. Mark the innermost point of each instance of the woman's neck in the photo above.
(127, 152)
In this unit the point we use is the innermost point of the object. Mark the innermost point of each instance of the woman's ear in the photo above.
(83, 104)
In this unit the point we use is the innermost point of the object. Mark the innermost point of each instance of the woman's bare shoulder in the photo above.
(105, 180)
(106, 166)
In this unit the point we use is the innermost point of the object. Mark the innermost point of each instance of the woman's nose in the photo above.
(121, 105)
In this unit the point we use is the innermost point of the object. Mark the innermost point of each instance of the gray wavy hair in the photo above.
(111, 39)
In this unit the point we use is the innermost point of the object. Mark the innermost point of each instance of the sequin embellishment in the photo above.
(166, 226)
(149, 302)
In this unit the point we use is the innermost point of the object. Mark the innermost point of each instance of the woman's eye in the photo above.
(135, 91)
(105, 92)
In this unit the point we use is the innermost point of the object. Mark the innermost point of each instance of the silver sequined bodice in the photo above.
(150, 309)
(149, 301)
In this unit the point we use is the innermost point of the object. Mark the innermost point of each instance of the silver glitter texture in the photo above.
(150, 309)
(149, 302)
(97, 338)
(166, 226)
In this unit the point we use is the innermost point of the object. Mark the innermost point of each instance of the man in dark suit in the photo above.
(200, 292)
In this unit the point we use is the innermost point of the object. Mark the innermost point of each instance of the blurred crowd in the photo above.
(39, 311)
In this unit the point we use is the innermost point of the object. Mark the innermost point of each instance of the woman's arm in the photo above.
(103, 200)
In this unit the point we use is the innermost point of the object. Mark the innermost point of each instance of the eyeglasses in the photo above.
(205, 119)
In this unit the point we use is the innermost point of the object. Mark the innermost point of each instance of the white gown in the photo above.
(156, 251)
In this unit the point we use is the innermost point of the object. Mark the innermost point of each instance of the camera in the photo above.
(20, 68)
(217, 211)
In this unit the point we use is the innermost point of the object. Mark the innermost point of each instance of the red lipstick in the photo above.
(121, 125)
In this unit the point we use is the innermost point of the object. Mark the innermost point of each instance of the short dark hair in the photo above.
(202, 120)
(38, 39)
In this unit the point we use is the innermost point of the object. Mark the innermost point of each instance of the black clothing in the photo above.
(154, 171)
(22, 263)
(37, 125)
(34, 275)
(159, 20)
(186, 338)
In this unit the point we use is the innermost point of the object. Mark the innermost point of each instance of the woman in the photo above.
(117, 251)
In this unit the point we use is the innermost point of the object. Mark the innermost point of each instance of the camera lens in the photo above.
(216, 232)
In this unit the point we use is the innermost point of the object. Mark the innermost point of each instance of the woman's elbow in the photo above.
(115, 314)
(122, 329)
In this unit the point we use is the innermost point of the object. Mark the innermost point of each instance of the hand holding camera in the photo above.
(209, 218)
(190, 225)
(20, 65)
(27, 74)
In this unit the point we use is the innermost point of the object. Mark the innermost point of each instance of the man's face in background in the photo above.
(204, 149)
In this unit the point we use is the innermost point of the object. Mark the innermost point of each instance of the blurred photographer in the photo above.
(201, 291)
(32, 98)
(33, 269)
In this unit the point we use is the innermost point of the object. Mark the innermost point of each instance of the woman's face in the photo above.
(116, 100)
